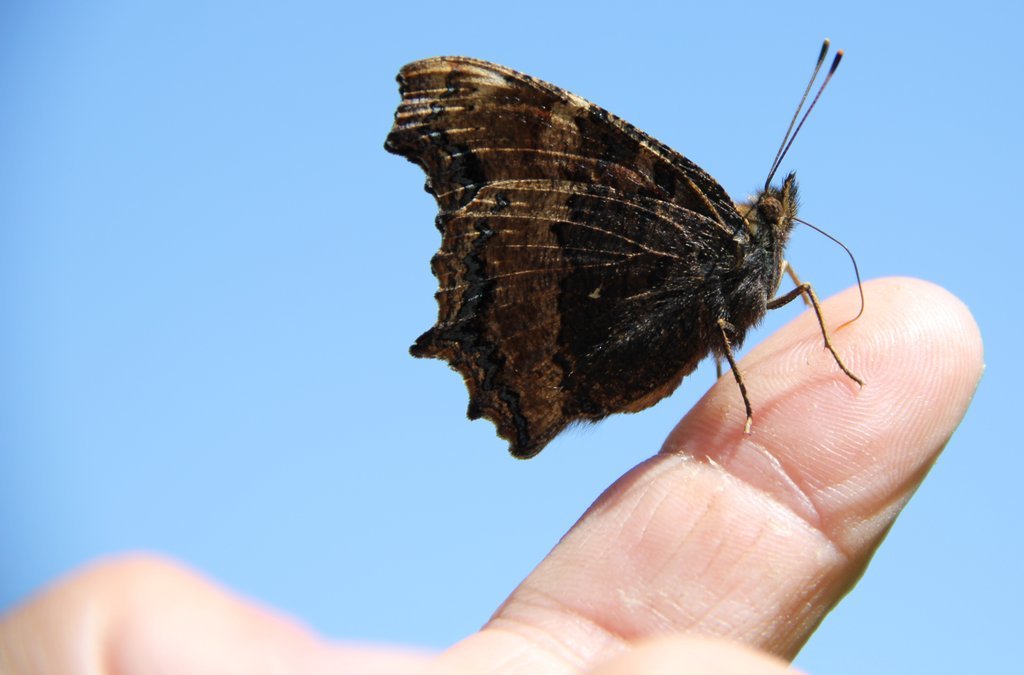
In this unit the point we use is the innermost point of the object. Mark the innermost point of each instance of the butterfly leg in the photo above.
(724, 327)
(796, 280)
(805, 291)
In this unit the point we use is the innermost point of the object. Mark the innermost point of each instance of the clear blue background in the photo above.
(210, 273)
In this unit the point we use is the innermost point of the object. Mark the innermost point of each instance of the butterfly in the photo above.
(585, 268)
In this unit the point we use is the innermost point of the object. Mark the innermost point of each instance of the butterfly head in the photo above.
(769, 215)
(769, 218)
(776, 207)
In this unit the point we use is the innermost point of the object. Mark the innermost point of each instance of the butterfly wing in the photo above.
(469, 122)
(573, 253)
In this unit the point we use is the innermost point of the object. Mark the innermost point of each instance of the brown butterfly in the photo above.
(585, 268)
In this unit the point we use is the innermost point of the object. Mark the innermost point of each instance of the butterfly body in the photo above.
(585, 268)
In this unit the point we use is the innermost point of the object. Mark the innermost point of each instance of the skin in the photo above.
(722, 552)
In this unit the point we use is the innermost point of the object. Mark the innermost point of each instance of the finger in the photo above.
(755, 537)
(141, 614)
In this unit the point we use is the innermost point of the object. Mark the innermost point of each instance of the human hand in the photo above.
(721, 553)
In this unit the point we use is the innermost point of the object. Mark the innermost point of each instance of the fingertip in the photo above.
(832, 451)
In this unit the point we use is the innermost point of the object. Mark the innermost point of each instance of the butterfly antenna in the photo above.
(787, 139)
(796, 113)
(856, 270)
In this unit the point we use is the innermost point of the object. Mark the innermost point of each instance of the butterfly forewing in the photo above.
(469, 122)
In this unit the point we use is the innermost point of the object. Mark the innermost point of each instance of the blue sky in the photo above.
(210, 273)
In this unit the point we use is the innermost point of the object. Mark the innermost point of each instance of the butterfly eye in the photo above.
(769, 209)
